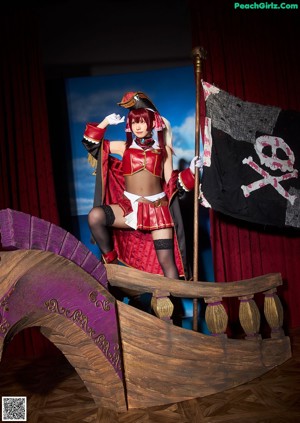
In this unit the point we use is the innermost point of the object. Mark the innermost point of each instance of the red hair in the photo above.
(149, 117)
(138, 115)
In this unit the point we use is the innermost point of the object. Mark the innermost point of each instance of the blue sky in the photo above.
(90, 99)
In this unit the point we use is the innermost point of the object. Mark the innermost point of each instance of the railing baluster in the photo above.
(249, 317)
(162, 305)
(274, 313)
(216, 316)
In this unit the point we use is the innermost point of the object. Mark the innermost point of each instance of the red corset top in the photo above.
(134, 160)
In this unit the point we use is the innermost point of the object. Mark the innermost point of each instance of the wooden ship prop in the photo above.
(126, 357)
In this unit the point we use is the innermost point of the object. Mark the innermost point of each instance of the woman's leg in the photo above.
(164, 247)
(100, 220)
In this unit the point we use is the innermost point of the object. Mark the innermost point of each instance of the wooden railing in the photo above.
(213, 294)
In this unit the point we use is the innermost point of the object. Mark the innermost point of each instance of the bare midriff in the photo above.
(143, 183)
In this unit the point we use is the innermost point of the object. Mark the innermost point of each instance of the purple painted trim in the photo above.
(64, 290)
(20, 231)
(214, 304)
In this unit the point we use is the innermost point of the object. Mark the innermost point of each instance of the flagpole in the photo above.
(198, 54)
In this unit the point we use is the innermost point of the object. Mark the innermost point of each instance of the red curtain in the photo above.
(252, 54)
(26, 168)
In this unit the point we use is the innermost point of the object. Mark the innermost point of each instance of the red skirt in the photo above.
(150, 215)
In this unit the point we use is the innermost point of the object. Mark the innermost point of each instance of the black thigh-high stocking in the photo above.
(165, 254)
(99, 219)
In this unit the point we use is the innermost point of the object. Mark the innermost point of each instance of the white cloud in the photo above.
(86, 107)
(184, 138)
(184, 135)
(83, 205)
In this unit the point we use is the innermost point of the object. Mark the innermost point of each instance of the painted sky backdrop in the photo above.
(90, 99)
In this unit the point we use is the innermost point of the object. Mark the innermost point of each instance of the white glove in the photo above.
(115, 119)
(196, 162)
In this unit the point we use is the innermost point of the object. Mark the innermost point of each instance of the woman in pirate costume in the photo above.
(136, 215)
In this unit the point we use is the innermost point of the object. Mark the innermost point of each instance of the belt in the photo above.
(157, 203)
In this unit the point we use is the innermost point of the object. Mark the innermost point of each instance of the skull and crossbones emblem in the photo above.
(273, 162)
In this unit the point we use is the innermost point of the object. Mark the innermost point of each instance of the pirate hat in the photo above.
(137, 100)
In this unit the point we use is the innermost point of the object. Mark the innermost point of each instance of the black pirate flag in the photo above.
(251, 160)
